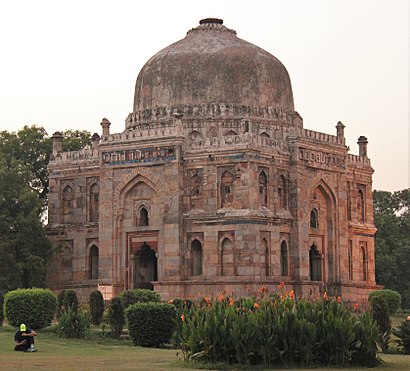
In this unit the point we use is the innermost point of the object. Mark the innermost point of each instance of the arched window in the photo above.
(226, 188)
(143, 219)
(265, 249)
(315, 262)
(227, 262)
(283, 259)
(93, 263)
(68, 196)
(67, 200)
(265, 135)
(196, 185)
(93, 203)
(196, 254)
(263, 189)
(314, 220)
(283, 193)
(364, 262)
(350, 259)
(361, 206)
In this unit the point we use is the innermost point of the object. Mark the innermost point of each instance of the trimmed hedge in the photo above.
(150, 324)
(392, 298)
(116, 317)
(96, 307)
(34, 307)
(70, 300)
(129, 297)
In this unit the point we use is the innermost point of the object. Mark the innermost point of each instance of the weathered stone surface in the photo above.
(214, 186)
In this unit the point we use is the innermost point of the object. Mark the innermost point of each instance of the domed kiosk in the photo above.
(214, 185)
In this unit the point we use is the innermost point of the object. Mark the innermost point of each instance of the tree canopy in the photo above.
(392, 219)
(24, 246)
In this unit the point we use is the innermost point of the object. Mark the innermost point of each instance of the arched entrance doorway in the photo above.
(145, 268)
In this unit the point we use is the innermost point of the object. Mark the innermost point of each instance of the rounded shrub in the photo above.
(70, 300)
(129, 297)
(116, 317)
(380, 314)
(34, 307)
(392, 298)
(150, 324)
(60, 303)
(96, 307)
(73, 324)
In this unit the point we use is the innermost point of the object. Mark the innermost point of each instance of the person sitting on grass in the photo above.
(25, 339)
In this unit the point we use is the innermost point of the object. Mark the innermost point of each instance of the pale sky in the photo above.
(67, 64)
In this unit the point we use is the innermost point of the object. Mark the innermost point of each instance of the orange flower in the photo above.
(325, 296)
(256, 306)
(292, 294)
(282, 285)
(231, 302)
(282, 298)
(221, 297)
(356, 307)
(170, 301)
(339, 299)
(263, 289)
(183, 317)
(207, 300)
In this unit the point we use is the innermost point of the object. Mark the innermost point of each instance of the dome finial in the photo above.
(211, 20)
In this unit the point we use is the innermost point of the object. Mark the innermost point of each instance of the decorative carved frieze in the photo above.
(207, 110)
(139, 155)
(320, 158)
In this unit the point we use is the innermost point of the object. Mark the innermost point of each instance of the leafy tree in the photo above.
(392, 219)
(31, 147)
(24, 247)
(74, 140)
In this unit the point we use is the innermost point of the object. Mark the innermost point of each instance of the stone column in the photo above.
(362, 142)
(340, 133)
(105, 124)
(57, 143)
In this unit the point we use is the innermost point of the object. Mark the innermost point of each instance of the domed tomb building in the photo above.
(214, 185)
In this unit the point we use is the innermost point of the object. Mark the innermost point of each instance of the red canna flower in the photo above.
(231, 302)
(256, 306)
(183, 317)
(356, 307)
(207, 300)
(325, 296)
(339, 299)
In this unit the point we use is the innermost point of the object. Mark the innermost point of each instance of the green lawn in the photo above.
(55, 353)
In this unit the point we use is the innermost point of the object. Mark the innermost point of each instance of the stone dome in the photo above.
(212, 65)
